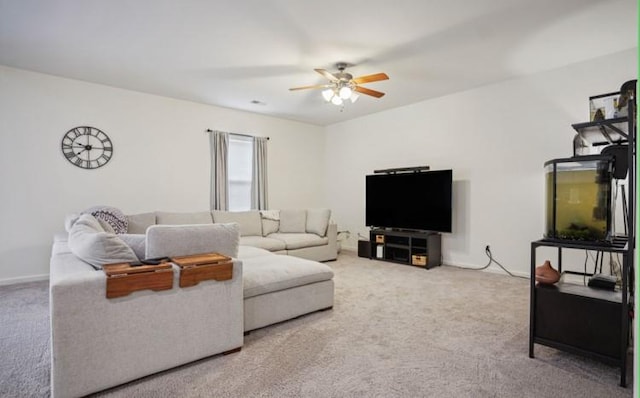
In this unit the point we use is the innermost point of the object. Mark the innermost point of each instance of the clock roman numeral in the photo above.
(77, 161)
(69, 154)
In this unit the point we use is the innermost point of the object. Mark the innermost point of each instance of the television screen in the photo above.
(413, 201)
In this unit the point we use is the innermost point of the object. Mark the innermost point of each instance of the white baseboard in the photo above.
(492, 268)
(24, 279)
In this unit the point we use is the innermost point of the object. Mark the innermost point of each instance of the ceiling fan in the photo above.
(343, 85)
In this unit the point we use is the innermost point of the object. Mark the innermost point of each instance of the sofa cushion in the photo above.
(183, 240)
(138, 223)
(111, 215)
(293, 221)
(245, 251)
(250, 222)
(262, 242)
(297, 241)
(168, 218)
(89, 242)
(137, 243)
(318, 221)
(266, 274)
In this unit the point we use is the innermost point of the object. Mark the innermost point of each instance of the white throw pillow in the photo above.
(106, 226)
(318, 221)
(293, 221)
(89, 242)
(270, 221)
(269, 226)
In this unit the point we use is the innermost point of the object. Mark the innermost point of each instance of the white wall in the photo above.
(160, 162)
(495, 138)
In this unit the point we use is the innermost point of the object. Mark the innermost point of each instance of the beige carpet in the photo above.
(395, 331)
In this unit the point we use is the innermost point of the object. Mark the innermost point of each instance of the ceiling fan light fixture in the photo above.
(327, 94)
(345, 92)
(342, 86)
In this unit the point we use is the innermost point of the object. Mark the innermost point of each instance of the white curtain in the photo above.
(219, 146)
(259, 180)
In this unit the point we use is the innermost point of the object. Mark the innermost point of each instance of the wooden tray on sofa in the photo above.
(202, 267)
(124, 278)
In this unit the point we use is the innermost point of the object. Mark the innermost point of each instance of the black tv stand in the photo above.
(418, 248)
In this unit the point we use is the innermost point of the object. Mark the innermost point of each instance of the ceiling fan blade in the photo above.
(314, 86)
(327, 75)
(367, 91)
(370, 78)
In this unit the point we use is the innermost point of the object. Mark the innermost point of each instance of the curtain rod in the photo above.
(241, 135)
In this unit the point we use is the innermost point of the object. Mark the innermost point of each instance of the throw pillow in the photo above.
(270, 221)
(111, 215)
(293, 221)
(318, 221)
(106, 226)
(89, 242)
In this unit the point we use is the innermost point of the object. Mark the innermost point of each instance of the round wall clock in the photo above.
(87, 147)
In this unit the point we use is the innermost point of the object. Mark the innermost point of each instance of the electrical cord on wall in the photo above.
(487, 251)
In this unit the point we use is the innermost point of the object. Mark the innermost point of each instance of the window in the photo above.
(240, 172)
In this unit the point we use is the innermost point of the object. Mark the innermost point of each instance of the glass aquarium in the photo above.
(578, 199)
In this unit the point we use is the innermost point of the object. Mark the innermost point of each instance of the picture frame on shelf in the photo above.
(604, 106)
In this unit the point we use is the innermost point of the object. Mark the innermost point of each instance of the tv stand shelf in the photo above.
(421, 249)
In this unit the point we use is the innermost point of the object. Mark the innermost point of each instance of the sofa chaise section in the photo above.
(279, 287)
(98, 343)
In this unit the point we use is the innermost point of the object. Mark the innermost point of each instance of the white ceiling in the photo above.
(232, 52)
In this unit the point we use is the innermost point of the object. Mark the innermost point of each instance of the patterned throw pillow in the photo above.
(111, 216)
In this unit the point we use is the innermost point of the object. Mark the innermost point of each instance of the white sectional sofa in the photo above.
(305, 233)
(98, 343)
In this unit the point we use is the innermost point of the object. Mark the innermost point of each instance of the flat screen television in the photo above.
(410, 200)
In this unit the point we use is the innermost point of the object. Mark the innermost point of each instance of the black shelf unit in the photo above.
(580, 319)
(422, 249)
